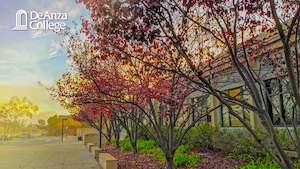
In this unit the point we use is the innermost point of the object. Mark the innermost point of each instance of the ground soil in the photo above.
(128, 160)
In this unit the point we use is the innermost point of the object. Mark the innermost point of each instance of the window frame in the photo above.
(241, 94)
(269, 105)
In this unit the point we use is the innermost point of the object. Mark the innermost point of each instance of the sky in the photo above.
(33, 55)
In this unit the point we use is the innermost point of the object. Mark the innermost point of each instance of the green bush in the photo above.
(264, 162)
(185, 159)
(126, 147)
(180, 158)
(143, 135)
(238, 142)
(261, 164)
(114, 142)
(143, 145)
(284, 138)
(201, 136)
(107, 143)
(158, 154)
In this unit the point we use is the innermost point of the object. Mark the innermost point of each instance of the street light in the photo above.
(62, 129)
(68, 127)
(63, 117)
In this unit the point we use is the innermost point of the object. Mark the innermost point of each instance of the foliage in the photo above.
(237, 143)
(143, 145)
(142, 134)
(41, 124)
(16, 108)
(284, 139)
(114, 142)
(108, 143)
(54, 122)
(180, 158)
(158, 154)
(264, 162)
(201, 136)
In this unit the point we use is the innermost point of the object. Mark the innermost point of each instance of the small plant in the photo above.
(205, 161)
(158, 154)
(263, 163)
(180, 158)
(232, 154)
(107, 143)
(143, 145)
(126, 147)
(283, 137)
(203, 137)
(185, 159)
(113, 143)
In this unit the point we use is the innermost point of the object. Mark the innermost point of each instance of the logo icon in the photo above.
(19, 26)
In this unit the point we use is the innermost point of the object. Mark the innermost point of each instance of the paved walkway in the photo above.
(70, 154)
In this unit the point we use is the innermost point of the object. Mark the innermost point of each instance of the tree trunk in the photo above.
(133, 144)
(117, 137)
(117, 141)
(8, 128)
(169, 161)
(100, 132)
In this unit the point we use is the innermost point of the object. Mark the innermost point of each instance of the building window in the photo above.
(230, 120)
(202, 105)
(280, 101)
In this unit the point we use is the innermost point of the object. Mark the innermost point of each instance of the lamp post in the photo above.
(68, 128)
(62, 129)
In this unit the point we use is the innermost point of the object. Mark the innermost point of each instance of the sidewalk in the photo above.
(70, 154)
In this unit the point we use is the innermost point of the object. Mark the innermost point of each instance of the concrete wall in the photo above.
(81, 131)
(93, 138)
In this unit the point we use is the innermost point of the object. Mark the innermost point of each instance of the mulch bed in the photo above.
(128, 160)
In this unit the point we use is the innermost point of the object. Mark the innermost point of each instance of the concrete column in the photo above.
(189, 100)
(255, 121)
(213, 113)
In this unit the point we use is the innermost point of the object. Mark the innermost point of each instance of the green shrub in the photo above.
(185, 159)
(261, 164)
(126, 147)
(143, 135)
(182, 148)
(158, 154)
(211, 138)
(180, 158)
(284, 138)
(107, 143)
(201, 136)
(143, 145)
(239, 142)
(113, 142)
(264, 162)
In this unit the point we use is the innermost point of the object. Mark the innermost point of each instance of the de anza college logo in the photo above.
(40, 21)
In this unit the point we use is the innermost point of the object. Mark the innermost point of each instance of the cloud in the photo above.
(5, 62)
(22, 67)
(69, 62)
(58, 6)
(54, 48)
(2, 27)
(26, 80)
(35, 34)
